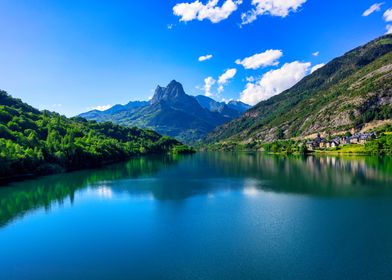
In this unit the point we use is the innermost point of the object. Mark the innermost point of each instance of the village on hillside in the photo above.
(320, 143)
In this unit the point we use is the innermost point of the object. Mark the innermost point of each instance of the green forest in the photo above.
(34, 142)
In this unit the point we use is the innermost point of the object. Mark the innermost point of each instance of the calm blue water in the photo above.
(206, 216)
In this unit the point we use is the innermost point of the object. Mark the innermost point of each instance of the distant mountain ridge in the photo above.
(131, 105)
(233, 109)
(172, 112)
(348, 92)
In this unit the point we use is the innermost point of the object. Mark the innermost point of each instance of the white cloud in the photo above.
(274, 82)
(316, 67)
(316, 53)
(250, 79)
(264, 59)
(388, 15)
(211, 11)
(279, 8)
(388, 18)
(170, 26)
(205, 57)
(373, 8)
(208, 83)
(389, 29)
(225, 77)
(221, 88)
(102, 107)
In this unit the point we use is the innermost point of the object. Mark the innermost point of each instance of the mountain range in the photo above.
(173, 113)
(350, 92)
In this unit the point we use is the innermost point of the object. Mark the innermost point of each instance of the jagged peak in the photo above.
(172, 91)
(174, 83)
(175, 87)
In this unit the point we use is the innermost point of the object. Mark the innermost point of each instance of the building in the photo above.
(322, 143)
(332, 144)
(354, 139)
(310, 145)
(367, 137)
(335, 143)
(343, 140)
(361, 138)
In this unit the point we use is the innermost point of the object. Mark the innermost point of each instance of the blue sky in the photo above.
(70, 56)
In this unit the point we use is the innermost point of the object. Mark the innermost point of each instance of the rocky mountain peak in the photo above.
(173, 91)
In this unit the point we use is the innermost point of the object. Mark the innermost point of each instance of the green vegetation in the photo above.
(285, 147)
(382, 145)
(230, 146)
(353, 149)
(276, 147)
(182, 149)
(34, 142)
(348, 92)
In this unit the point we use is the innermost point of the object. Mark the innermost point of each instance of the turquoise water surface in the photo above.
(205, 216)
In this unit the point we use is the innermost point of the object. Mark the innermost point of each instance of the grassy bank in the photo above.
(346, 150)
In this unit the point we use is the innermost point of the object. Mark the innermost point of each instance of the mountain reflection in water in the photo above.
(180, 177)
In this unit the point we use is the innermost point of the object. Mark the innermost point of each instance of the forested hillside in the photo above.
(34, 142)
(347, 93)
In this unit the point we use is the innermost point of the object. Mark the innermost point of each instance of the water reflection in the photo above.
(19, 198)
(180, 177)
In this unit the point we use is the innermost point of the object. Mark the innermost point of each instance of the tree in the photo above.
(280, 134)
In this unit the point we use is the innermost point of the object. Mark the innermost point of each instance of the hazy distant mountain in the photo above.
(128, 107)
(103, 115)
(233, 109)
(239, 106)
(348, 92)
(172, 112)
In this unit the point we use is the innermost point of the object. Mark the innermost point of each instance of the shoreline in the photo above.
(4, 181)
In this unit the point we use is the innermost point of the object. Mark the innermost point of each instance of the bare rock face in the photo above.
(172, 94)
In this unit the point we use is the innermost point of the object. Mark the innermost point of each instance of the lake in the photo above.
(203, 216)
